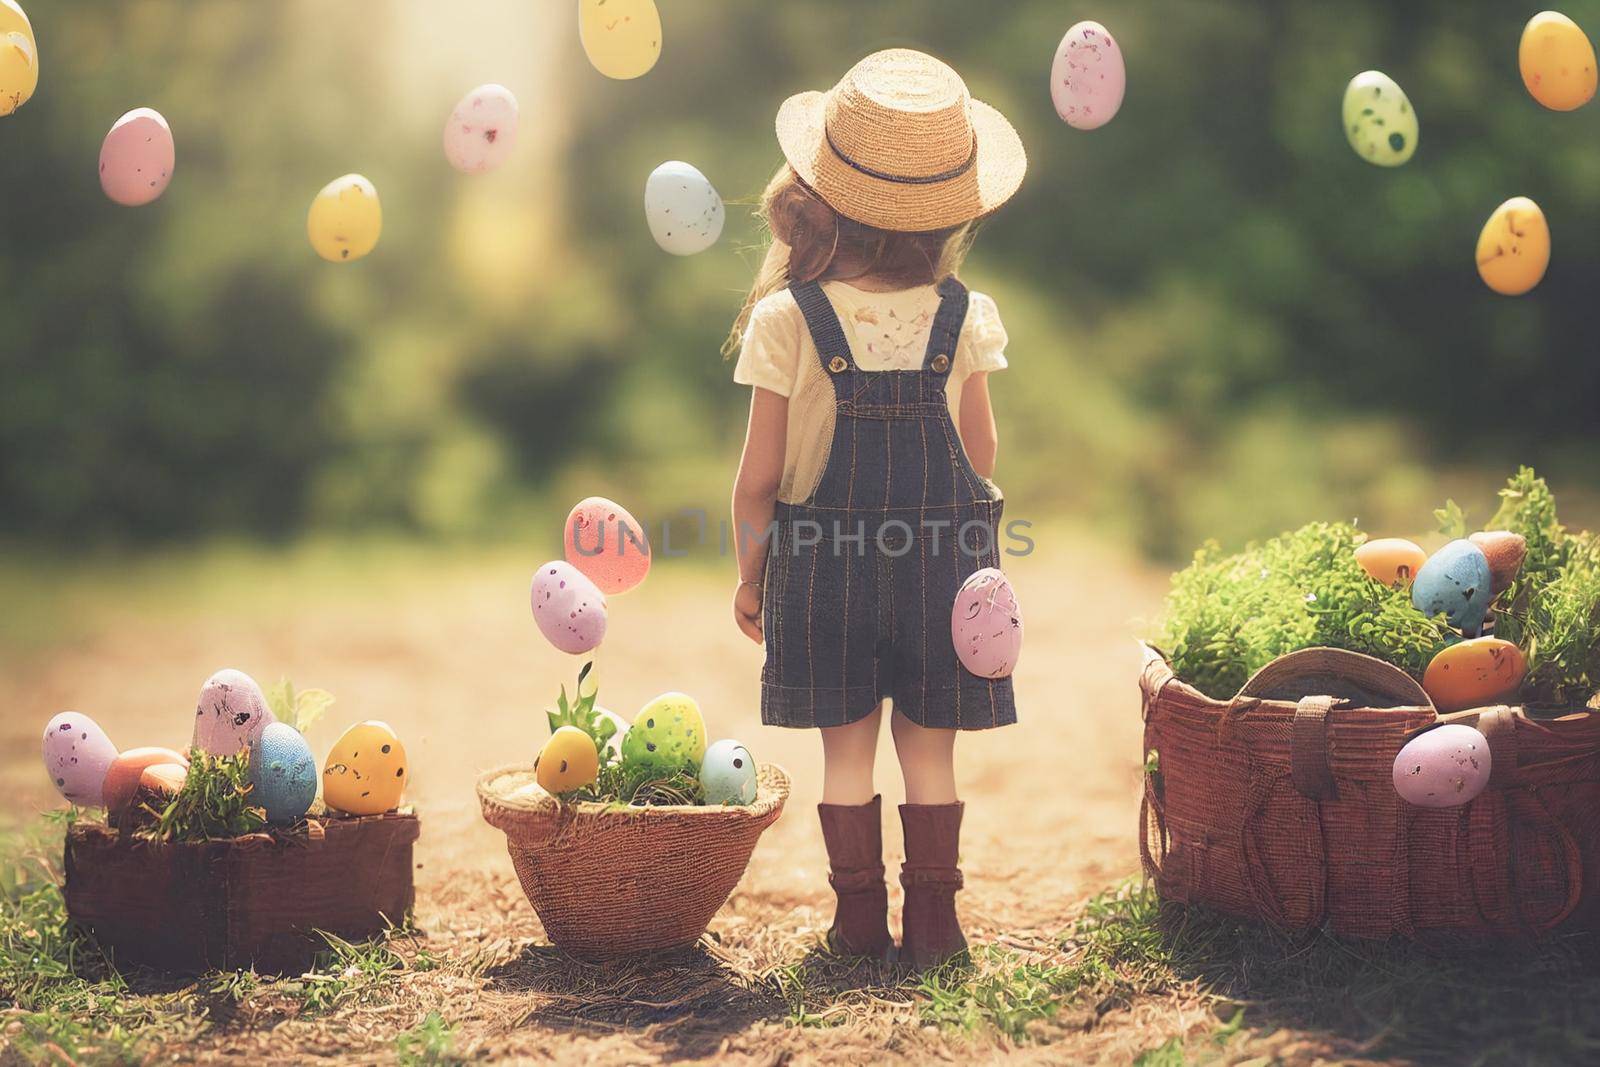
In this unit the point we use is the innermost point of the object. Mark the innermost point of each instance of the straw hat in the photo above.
(900, 145)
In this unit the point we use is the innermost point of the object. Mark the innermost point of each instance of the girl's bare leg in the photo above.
(927, 761)
(848, 753)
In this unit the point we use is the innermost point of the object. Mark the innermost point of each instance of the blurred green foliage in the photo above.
(1223, 323)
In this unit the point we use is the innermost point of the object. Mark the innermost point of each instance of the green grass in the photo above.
(430, 1042)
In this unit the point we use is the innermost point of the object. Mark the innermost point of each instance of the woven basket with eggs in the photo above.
(1281, 804)
(610, 880)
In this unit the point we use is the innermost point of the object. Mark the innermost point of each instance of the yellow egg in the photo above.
(1475, 673)
(1391, 560)
(622, 38)
(567, 761)
(1514, 247)
(366, 770)
(19, 58)
(1557, 62)
(345, 219)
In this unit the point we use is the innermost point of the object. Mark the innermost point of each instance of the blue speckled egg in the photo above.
(1455, 582)
(283, 772)
(728, 774)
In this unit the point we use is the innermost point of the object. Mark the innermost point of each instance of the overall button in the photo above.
(837, 364)
(941, 364)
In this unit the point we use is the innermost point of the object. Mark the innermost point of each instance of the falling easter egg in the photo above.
(345, 219)
(1087, 77)
(1514, 247)
(137, 158)
(365, 773)
(1391, 561)
(683, 209)
(1505, 552)
(122, 777)
(19, 58)
(1474, 674)
(230, 714)
(283, 773)
(667, 736)
(1444, 767)
(986, 624)
(482, 129)
(1454, 582)
(728, 774)
(1557, 62)
(567, 761)
(607, 544)
(622, 38)
(77, 755)
(569, 608)
(1379, 120)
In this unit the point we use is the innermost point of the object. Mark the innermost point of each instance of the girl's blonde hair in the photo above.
(813, 242)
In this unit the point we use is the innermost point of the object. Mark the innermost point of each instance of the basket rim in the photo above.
(770, 799)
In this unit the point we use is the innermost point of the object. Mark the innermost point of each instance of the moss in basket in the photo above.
(213, 803)
(1230, 615)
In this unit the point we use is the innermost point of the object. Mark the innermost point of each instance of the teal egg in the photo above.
(1455, 582)
(283, 773)
(728, 774)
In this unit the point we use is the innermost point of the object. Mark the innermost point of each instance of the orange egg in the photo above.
(1557, 62)
(1514, 247)
(122, 777)
(1394, 561)
(1474, 674)
(567, 761)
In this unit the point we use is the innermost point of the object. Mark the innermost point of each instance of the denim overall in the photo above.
(862, 576)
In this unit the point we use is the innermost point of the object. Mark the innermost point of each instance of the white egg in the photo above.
(683, 209)
(77, 754)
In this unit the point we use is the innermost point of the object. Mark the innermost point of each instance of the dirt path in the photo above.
(450, 657)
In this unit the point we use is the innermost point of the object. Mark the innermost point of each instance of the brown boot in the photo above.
(854, 836)
(931, 879)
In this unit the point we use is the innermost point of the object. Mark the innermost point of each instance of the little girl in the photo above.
(863, 497)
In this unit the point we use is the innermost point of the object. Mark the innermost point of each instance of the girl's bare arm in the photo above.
(978, 433)
(755, 494)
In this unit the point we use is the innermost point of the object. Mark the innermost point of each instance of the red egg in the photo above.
(607, 545)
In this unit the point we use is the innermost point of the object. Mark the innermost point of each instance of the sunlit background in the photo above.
(1222, 322)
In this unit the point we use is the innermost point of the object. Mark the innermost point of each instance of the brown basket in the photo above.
(1281, 805)
(610, 881)
(253, 901)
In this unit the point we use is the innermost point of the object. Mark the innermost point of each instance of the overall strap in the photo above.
(833, 348)
(946, 330)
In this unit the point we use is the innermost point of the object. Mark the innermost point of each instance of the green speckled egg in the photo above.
(668, 735)
(1378, 119)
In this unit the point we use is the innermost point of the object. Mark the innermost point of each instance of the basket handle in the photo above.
(1265, 895)
(1308, 749)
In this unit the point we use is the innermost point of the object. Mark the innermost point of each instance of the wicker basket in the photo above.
(253, 901)
(1280, 805)
(610, 881)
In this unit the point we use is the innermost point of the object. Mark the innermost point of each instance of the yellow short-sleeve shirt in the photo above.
(886, 331)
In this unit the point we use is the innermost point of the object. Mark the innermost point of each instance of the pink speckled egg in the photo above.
(1087, 78)
(137, 158)
(1444, 767)
(986, 624)
(570, 610)
(77, 754)
(607, 544)
(481, 130)
(230, 714)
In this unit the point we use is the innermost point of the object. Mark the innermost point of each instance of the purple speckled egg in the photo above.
(137, 158)
(77, 754)
(481, 130)
(1088, 77)
(231, 713)
(569, 608)
(1444, 767)
(986, 624)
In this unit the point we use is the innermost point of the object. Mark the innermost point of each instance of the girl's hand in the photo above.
(747, 610)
